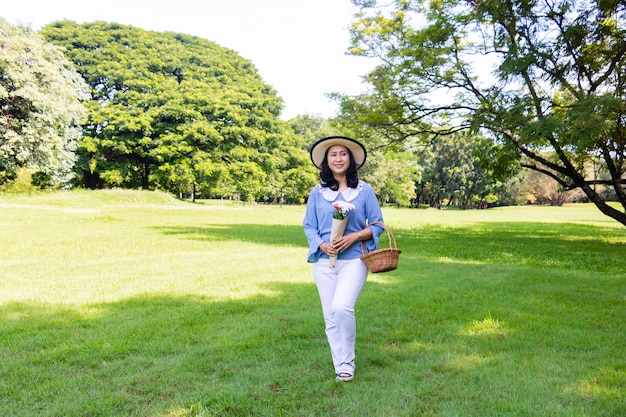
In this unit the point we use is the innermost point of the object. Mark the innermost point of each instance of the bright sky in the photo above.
(298, 46)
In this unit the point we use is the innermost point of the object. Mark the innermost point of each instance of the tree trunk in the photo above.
(145, 176)
(613, 213)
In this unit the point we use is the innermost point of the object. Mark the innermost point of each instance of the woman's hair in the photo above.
(328, 179)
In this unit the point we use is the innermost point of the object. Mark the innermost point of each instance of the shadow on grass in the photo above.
(282, 235)
(149, 355)
(566, 246)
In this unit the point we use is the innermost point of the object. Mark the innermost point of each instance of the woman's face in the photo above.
(338, 159)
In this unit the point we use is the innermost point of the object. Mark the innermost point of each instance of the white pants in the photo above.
(339, 288)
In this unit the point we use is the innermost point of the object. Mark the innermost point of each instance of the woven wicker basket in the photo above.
(382, 260)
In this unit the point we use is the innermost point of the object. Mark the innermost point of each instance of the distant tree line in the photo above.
(179, 113)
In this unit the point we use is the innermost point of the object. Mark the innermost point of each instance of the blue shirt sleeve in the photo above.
(311, 227)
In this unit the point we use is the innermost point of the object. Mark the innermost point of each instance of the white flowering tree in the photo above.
(40, 106)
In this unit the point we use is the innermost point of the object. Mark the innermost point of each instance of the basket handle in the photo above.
(390, 236)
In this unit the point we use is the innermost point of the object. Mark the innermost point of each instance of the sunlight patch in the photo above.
(486, 326)
(73, 210)
(608, 383)
(447, 260)
(467, 362)
(379, 278)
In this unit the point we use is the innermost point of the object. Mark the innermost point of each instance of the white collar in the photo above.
(348, 195)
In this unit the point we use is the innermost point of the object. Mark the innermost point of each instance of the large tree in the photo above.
(40, 109)
(173, 110)
(539, 76)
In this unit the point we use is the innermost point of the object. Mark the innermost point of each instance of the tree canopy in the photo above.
(538, 78)
(40, 109)
(177, 112)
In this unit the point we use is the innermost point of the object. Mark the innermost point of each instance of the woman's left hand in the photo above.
(345, 242)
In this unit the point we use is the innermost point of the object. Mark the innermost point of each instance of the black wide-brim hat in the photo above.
(319, 148)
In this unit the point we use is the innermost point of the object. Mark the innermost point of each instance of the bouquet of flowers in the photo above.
(340, 218)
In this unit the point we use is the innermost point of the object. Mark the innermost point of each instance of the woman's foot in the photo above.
(344, 377)
(347, 372)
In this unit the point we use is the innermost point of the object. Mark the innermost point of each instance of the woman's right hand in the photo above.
(328, 249)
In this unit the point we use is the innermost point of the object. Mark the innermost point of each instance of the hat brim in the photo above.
(319, 148)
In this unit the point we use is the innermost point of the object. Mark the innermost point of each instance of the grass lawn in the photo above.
(129, 303)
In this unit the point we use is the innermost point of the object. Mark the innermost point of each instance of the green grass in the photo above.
(128, 303)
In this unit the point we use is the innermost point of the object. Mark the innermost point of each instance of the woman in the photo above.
(338, 159)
